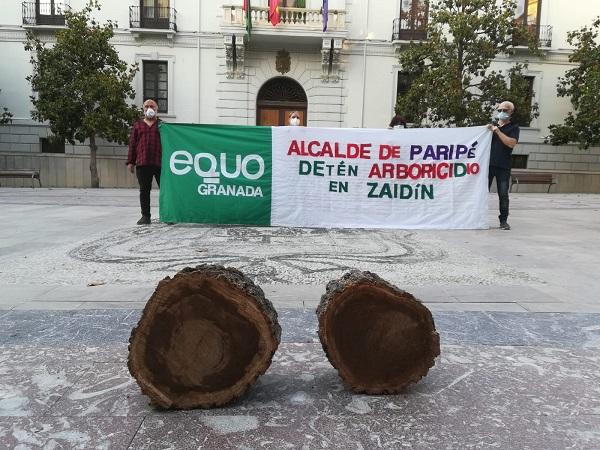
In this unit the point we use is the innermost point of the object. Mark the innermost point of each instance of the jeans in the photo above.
(144, 175)
(502, 183)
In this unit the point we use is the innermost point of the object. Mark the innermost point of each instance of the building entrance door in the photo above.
(277, 99)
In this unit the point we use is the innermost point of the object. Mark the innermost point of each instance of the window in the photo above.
(156, 83)
(412, 23)
(528, 12)
(527, 16)
(50, 12)
(519, 161)
(403, 84)
(52, 145)
(155, 14)
(522, 115)
(528, 101)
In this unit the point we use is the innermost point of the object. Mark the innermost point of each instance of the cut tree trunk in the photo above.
(379, 338)
(204, 337)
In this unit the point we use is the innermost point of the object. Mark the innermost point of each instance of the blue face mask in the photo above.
(502, 116)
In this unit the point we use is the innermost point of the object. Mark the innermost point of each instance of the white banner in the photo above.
(426, 178)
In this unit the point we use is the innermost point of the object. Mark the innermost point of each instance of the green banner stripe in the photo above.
(218, 174)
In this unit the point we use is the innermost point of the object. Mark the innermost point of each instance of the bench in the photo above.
(524, 177)
(22, 173)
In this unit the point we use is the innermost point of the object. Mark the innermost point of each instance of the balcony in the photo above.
(153, 20)
(48, 14)
(542, 34)
(295, 22)
(410, 29)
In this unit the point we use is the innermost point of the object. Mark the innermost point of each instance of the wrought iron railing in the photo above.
(411, 28)
(151, 17)
(541, 33)
(45, 13)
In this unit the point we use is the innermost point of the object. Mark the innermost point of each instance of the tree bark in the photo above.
(95, 180)
(379, 338)
(204, 337)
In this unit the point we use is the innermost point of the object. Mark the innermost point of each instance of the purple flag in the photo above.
(325, 12)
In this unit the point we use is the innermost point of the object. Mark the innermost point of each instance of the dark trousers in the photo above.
(502, 184)
(144, 175)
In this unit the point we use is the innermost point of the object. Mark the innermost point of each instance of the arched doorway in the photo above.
(277, 98)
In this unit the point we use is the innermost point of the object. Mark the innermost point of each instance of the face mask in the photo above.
(294, 121)
(502, 115)
(150, 113)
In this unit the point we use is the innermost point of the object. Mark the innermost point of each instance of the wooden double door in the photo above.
(274, 116)
(277, 98)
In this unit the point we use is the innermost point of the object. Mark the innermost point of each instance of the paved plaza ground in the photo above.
(518, 313)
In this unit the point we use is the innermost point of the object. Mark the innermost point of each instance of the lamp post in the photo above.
(368, 37)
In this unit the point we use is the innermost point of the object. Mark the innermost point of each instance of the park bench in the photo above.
(33, 174)
(519, 177)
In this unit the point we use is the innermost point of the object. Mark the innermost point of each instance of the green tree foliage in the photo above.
(80, 84)
(582, 85)
(5, 116)
(452, 83)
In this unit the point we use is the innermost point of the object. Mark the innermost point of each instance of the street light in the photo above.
(368, 37)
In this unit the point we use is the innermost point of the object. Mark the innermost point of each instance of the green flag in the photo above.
(215, 174)
(248, 17)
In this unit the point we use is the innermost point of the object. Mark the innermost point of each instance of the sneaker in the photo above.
(504, 226)
(145, 220)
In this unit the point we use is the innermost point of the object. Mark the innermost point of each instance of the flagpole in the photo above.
(364, 80)
(368, 37)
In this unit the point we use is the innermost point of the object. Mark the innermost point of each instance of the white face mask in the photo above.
(502, 116)
(150, 113)
(294, 121)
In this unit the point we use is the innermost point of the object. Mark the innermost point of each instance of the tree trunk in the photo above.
(379, 338)
(204, 337)
(93, 167)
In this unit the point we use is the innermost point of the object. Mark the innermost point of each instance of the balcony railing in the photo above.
(542, 33)
(44, 13)
(291, 18)
(410, 29)
(150, 17)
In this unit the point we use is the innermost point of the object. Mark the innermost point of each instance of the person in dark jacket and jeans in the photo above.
(145, 153)
(504, 140)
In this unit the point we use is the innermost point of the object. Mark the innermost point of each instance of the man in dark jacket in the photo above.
(145, 153)
(506, 136)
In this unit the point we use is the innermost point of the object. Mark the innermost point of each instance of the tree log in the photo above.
(379, 338)
(204, 337)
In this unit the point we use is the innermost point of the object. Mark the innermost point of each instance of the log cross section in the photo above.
(379, 337)
(204, 337)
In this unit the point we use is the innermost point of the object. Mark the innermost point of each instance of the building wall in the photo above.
(200, 92)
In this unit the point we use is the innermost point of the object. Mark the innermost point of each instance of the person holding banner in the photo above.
(504, 140)
(145, 153)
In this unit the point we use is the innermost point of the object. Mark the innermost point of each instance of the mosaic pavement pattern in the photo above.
(267, 255)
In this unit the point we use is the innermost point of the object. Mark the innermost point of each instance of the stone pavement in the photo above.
(518, 315)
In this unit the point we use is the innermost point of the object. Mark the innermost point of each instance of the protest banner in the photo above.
(426, 178)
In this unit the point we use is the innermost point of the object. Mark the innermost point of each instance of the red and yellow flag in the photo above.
(274, 16)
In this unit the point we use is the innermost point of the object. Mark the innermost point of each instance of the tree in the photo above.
(5, 116)
(451, 80)
(80, 84)
(582, 85)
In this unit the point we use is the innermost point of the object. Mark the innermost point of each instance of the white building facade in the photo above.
(198, 60)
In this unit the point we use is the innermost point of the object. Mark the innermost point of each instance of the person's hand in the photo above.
(130, 167)
(492, 128)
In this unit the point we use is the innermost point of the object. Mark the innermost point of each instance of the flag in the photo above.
(246, 7)
(274, 16)
(325, 12)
